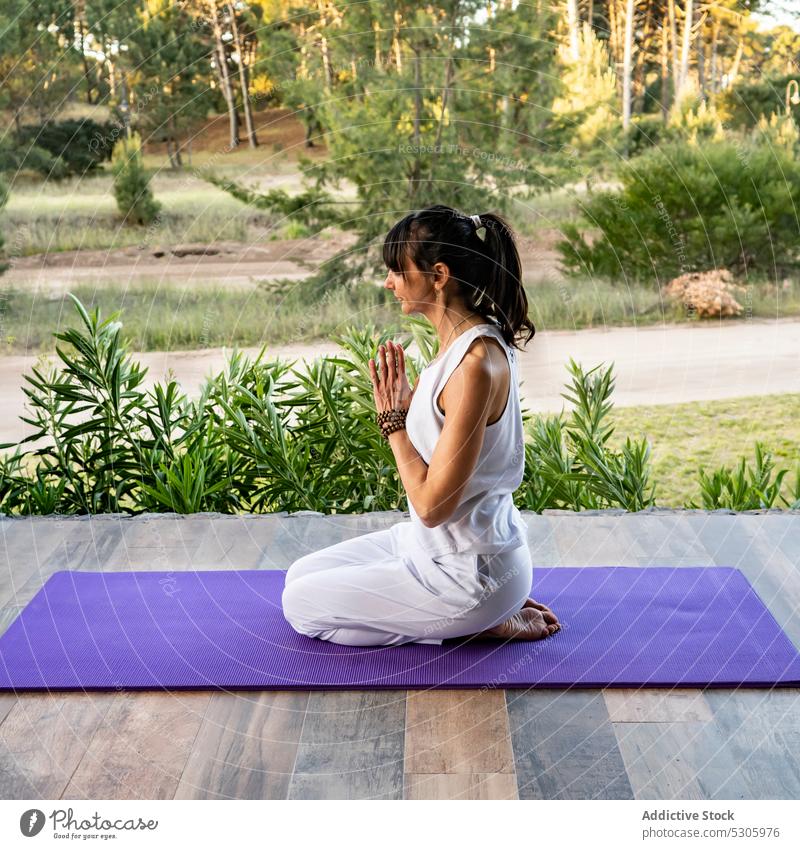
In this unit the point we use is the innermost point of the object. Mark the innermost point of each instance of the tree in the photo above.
(171, 61)
(245, 43)
(212, 12)
(37, 59)
(131, 183)
(630, 10)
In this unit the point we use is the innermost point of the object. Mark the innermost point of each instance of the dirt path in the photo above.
(653, 365)
(227, 263)
(231, 264)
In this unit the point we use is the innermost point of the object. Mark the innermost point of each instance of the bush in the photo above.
(131, 183)
(682, 208)
(76, 146)
(14, 158)
(569, 464)
(747, 101)
(746, 488)
(264, 438)
(645, 131)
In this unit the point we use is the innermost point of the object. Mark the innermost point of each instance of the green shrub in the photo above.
(748, 100)
(684, 207)
(131, 183)
(746, 488)
(76, 146)
(263, 437)
(14, 158)
(569, 465)
(644, 132)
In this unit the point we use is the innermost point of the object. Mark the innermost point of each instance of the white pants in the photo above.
(383, 589)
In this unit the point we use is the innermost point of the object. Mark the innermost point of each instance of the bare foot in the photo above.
(529, 623)
(549, 616)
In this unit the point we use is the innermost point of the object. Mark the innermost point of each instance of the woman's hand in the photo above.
(390, 389)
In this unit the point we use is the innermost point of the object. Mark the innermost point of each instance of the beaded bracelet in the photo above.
(391, 420)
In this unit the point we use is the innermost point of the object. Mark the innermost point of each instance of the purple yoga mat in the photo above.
(621, 626)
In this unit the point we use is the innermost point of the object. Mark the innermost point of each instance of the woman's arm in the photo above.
(435, 490)
(466, 399)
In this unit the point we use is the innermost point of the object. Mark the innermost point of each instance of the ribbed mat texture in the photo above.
(622, 626)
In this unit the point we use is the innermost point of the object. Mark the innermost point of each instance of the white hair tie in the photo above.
(476, 220)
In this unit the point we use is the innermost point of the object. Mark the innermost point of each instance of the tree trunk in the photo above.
(665, 67)
(572, 26)
(376, 28)
(627, 65)
(642, 61)
(84, 57)
(416, 169)
(302, 70)
(673, 29)
(398, 56)
(734, 72)
(713, 73)
(223, 72)
(176, 146)
(326, 64)
(172, 163)
(686, 46)
(701, 65)
(244, 80)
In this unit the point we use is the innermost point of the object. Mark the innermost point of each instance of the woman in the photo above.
(461, 566)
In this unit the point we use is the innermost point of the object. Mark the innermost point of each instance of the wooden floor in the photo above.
(527, 744)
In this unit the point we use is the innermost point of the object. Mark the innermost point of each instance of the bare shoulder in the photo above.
(481, 371)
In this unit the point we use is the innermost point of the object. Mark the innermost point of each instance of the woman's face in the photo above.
(413, 288)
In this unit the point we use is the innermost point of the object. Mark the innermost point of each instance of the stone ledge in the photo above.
(615, 511)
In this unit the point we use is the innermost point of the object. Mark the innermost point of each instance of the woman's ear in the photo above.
(441, 274)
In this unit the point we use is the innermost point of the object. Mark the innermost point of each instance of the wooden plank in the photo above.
(141, 748)
(457, 731)
(564, 746)
(761, 731)
(681, 760)
(43, 739)
(351, 746)
(246, 747)
(657, 705)
(461, 785)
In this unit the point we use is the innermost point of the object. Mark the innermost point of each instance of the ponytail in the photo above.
(486, 268)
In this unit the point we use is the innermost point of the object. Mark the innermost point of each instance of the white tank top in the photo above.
(486, 520)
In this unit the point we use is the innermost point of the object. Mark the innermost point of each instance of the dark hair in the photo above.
(487, 271)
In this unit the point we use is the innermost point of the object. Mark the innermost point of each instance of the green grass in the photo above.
(77, 214)
(159, 317)
(684, 437)
(556, 303)
(167, 315)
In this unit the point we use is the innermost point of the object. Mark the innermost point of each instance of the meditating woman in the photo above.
(461, 566)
